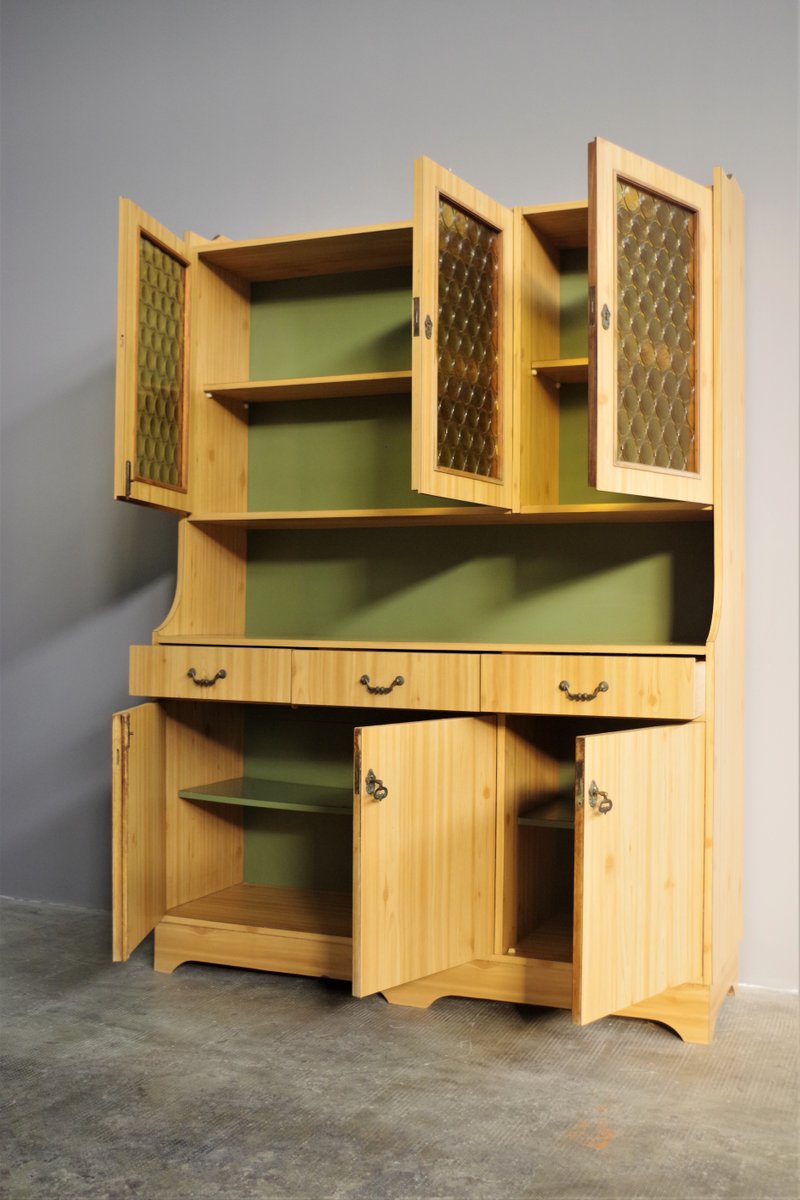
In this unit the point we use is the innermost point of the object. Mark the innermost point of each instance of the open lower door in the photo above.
(152, 411)
(651, 329)
(424, 821)
(462, 340)
(638, 866)
(138, 825)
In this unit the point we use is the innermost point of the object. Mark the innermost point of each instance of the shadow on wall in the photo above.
(68, 549)
(83, 577)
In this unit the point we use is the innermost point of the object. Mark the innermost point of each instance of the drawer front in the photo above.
(385, 679)
(258, 674)
(587, 684)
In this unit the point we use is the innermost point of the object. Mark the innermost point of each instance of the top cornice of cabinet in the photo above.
(363, 248)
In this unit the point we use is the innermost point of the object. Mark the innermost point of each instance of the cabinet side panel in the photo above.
(725, 681)
(210, 589)
(526, 773)
(220, 353)
(204, 841)
(537, 303)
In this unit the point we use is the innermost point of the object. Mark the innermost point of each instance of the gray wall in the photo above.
(270, 116)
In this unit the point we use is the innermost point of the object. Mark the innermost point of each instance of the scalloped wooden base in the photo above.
(691, 1009)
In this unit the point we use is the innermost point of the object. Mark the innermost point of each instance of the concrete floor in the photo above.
(231, 1084)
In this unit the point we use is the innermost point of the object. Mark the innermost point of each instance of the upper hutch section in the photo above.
(557, 358)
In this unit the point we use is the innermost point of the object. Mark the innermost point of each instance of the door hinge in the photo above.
(416, 317)
(592, 306)
(127, 478)
(579, 778)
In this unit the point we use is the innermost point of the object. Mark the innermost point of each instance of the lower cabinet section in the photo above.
(543, 860)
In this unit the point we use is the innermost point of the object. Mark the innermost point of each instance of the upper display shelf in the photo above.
(365, 248)
(321, 387)
(566, 226)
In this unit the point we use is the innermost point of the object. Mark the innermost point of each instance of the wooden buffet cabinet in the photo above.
(449, 700)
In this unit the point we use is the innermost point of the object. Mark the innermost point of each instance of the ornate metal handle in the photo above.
(192, 673)
(375, 787)
(398, 681)
(603, 805)
(601, 687)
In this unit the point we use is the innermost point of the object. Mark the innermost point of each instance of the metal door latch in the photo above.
(375, 787)
(599, 800)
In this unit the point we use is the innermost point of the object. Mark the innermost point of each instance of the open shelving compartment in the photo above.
(259, 801)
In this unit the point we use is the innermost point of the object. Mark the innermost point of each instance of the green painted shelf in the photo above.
(274, 793)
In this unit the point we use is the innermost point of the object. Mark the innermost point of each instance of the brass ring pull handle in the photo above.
(375, 787)
(398, 681)
(203, 682)
(599, 800)
(601, 687)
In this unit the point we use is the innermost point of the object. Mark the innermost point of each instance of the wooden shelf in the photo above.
(271, 909)
(335, 251)
(272, 793)
(562, 370)
(555, 812)
(552, 514)
(324, 387)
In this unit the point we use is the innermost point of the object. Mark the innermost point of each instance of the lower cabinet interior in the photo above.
(274, 831)
(259, 821)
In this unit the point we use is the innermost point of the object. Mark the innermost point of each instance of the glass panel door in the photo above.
(463, 256)
(152, 363)
(650, 329)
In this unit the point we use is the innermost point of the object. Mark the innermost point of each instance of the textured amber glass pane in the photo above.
(468, 416)
(159, 404)
(656, 306)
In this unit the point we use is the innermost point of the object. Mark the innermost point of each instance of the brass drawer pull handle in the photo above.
(601, 687)
(375, 786)
(603, 805)
(192, 673)
(398, 681)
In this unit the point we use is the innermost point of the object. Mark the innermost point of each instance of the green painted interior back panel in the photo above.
(287, 849)
(317, 454)
(303, 746)
(547, 583)
(331, 325)
(574, 300)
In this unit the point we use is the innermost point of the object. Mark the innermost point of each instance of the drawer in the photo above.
(669, 687)
(258, 674)
(385, 679)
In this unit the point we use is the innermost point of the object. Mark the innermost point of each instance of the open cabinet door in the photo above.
(638, 866)
(650, 329)
(150, 460)
(138, 825)
(462, 343)
(424, 821)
